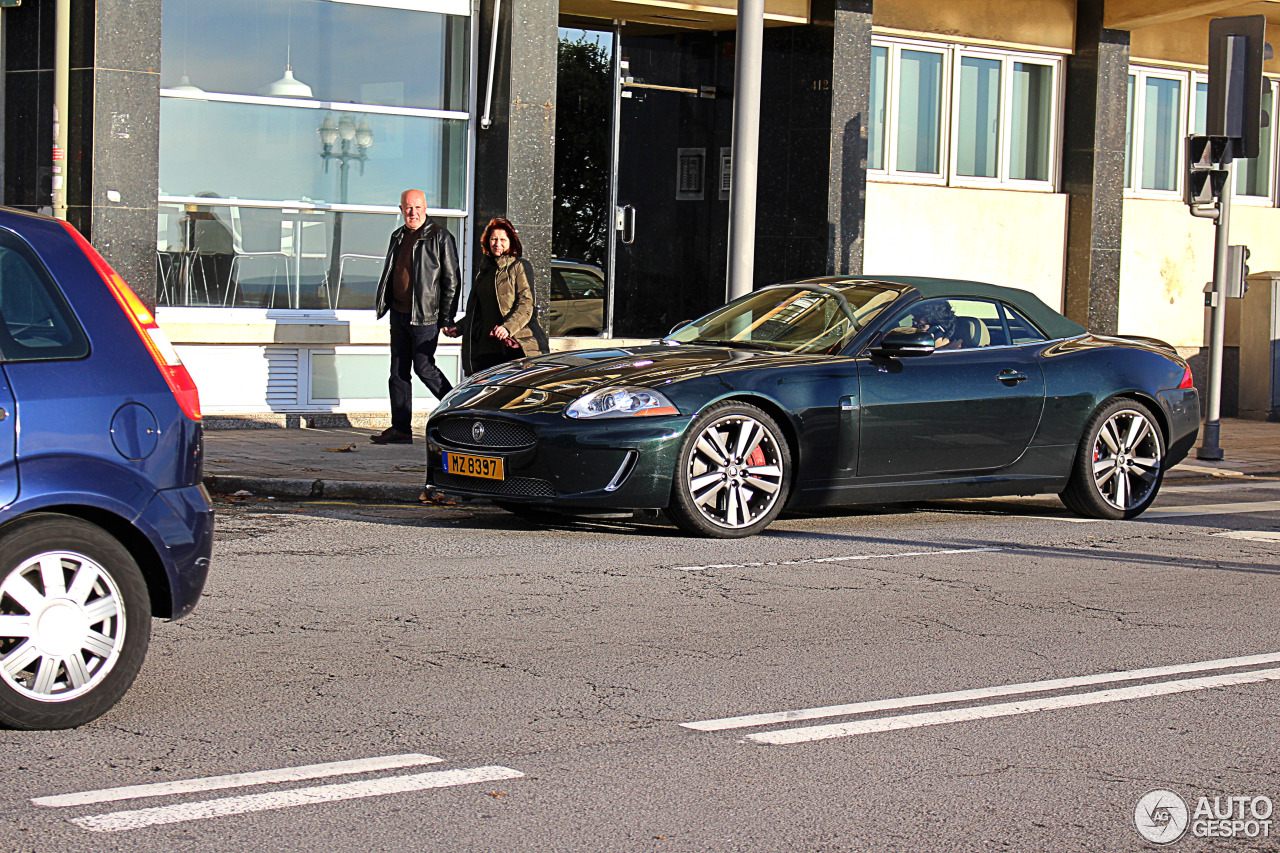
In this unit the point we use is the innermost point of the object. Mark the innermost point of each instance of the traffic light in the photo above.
(1207, 160)
(1237, 271)
(1237, 48)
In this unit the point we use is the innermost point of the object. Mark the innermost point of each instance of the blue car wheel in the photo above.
(75, 622)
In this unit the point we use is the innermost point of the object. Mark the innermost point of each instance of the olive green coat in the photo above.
(512, 281)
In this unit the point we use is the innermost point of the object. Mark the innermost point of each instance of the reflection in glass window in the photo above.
(1032, 109)
(979, 117)
(275, 153)
(350, 52)
(879, 91)
(35, 321)
(1161, 133)
(233, 256)
(919, 111)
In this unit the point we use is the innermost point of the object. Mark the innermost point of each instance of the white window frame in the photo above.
(892, 99)
(1004, 140)
(948, 124)
(1133, 165)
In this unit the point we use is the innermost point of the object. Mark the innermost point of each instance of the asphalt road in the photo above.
(510, 686)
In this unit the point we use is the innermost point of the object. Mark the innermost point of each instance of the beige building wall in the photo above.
(1167, 258)
(1025, 22)
(1015, 239)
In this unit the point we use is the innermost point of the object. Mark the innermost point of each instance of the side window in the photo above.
(35, 320)
(558, 288)
(958, 323)
(583, 285)
(1022, 330)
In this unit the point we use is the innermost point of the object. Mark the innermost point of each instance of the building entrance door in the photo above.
(661, 241)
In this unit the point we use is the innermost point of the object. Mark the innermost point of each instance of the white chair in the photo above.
(257, 234)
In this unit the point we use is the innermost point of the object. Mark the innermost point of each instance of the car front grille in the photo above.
(524, 487)
(494, 434)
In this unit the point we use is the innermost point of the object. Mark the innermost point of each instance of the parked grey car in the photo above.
(577, 299)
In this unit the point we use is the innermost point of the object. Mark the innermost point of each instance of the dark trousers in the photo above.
(412, 346)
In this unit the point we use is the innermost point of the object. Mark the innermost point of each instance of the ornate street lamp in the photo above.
(346, 142)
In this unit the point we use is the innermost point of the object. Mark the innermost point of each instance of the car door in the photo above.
(971, 406)
(8, 443)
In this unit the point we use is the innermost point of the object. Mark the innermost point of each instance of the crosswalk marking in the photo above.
(811, 560)
(1005, 709)
(1210, 509)
(138, 818)
(755, 720)
(1251, 535)
(238, 780)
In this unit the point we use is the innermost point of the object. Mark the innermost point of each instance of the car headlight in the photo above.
(616, 402)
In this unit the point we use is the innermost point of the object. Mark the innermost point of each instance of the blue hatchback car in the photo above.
(104, 522)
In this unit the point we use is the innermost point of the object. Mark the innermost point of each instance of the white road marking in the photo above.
(1007, 709)
(809, 560)
(1210, 509)
(138, 818)
(1252, 485)
(1251, 535)
(1209, 469)
(977, 693)
(239, 780)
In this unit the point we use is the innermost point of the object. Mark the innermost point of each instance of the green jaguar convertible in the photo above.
(827, 392)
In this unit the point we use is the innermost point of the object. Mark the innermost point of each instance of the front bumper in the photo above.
(615, 463)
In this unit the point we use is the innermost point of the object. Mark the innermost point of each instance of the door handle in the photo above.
(1011, 375)
(625, 221)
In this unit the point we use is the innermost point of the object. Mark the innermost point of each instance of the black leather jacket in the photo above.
(435, 277)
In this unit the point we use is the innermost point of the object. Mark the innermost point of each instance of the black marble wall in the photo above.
(112, 126)
(792, 230)
(1093, 168)
(850, 21)
(515, 156)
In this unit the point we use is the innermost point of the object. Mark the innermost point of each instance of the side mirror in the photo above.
(905, 343)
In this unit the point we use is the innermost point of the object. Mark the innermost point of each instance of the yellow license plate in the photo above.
(473, 466)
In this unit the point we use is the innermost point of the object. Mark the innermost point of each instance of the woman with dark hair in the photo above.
(939, 317)
(499, 324)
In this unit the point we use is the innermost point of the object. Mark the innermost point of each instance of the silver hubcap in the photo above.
(1126, 459)
(735, 471)
(61, 626)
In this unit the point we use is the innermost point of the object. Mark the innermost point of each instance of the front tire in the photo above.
(75, 622)
(733, 473)
(1119, 465)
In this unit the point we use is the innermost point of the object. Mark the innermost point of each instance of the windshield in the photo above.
(790, 318)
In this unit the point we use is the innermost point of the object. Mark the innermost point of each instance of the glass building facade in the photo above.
(288, 129)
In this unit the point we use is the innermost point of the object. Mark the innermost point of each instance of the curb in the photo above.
(314, 490)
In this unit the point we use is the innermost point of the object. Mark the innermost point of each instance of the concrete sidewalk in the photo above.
(342, 464)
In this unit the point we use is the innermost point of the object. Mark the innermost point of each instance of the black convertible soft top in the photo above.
(1053, 323)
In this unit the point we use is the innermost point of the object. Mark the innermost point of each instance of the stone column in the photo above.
(850, 102)
(114, 136)
(515, 156)
(1093, 163)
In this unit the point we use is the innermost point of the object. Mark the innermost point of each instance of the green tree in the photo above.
(579, 225)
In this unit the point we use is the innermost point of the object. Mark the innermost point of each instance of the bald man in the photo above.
(419, 289)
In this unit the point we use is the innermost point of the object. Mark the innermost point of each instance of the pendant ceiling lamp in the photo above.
(289, 86)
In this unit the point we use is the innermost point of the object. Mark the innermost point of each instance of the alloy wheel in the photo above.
(62, 626)
(1126, 459)
(735, 472)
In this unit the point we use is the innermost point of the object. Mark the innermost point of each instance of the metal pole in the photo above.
(746, 148)
(611, 227)
(1209, 448)
(61, 104)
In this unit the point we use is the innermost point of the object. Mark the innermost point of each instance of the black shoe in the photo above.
(391, 435)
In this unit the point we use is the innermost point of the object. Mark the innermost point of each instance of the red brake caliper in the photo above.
(756, 457)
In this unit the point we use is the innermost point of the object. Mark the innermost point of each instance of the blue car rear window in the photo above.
(35, 321)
